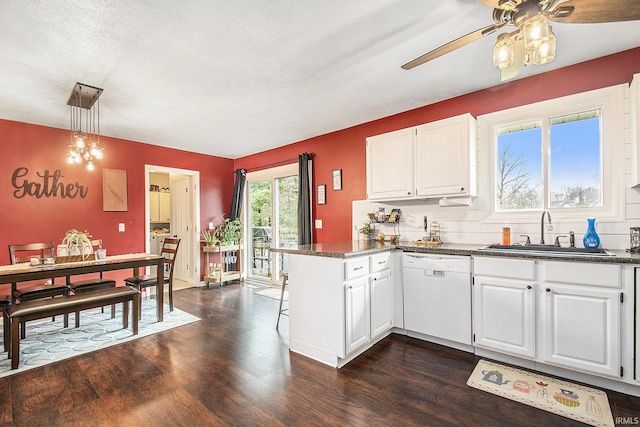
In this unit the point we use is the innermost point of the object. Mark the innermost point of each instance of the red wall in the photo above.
(345, 149)
(39, 149)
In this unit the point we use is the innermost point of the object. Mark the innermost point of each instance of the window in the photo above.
(551, 163)
(565, 155)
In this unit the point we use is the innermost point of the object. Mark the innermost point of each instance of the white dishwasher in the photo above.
(437, 296)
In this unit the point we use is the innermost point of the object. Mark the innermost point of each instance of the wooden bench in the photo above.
(40, 309)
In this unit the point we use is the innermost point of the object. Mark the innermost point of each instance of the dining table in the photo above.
(23, 272)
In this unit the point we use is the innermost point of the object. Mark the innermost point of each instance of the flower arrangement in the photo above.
(77, 242)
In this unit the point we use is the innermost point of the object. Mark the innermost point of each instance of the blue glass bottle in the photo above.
(591, 238)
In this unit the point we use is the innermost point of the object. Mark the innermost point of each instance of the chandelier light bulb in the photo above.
(90, 165)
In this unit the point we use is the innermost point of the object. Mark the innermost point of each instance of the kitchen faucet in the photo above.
(542, 225)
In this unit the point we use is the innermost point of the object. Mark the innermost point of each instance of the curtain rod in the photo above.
(270, 165)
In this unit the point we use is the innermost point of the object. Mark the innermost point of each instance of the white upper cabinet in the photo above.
(635, 130)
(432, 160)
(446, 157)
(390, 165)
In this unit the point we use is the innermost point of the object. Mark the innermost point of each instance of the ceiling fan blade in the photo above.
(595, 11)
(519, 53)
(452, 45)
(493, 3)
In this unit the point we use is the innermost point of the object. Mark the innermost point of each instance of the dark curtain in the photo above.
(238, 191)
(304, 200)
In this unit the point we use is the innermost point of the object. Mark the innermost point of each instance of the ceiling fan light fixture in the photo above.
(503, 52)
(536, 31)
(546, 52)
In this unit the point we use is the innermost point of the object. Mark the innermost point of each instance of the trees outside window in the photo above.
(555, 162)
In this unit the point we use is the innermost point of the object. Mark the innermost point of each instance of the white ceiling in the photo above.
(231, 78)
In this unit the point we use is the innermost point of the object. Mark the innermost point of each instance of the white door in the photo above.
(582, 328)
(270, 220)
(504, 315)
(357, 326)
(381, 302)
(181, 225)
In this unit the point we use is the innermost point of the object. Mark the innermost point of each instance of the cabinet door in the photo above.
(381, 302)
(445, 157)
(154, 210)
(164, 207)
(357, 314)
(390, 165)
(504, 315)
(582, 328)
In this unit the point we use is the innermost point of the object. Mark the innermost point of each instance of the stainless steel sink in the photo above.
(548, 250)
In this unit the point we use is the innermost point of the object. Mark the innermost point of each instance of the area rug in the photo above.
(48, 341)
(273, 293)
(569, 400)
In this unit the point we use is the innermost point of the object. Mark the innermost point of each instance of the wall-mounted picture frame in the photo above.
(322, 194)
(337, 179)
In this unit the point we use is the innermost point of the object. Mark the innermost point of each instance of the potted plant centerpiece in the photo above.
(77, 243)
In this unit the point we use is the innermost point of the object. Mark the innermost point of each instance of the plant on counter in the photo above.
(77, 242)
(367, 230)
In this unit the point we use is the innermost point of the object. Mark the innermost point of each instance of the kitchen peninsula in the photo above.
(345, 297)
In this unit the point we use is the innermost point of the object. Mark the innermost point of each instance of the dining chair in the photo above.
(169, 252)
(92, 284)
(24, 253)
(5, 303)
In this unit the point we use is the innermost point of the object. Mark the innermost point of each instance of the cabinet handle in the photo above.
(358, 268)
(547, 290)
(408, 193)
(382, 262)
(528, 286)
(461, 188)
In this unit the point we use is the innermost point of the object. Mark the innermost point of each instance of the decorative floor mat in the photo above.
(273, 293)
(569, 400)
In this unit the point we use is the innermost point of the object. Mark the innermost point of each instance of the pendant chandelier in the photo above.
(84, 110)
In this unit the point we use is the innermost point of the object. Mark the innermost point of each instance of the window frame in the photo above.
(610, 102)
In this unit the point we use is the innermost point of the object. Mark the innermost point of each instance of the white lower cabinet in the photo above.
(504, 315)
(382, 294)
(558, 313)
(357, 313)
(582, 328)
(582, 322)
(339, 307)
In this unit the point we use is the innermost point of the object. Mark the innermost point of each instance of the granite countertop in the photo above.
(354, 248)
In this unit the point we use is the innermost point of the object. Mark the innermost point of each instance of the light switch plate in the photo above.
(318, 223)
(121, 227)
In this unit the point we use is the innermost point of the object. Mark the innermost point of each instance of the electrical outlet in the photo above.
(121, 227)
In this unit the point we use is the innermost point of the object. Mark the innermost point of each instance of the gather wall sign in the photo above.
(44, 184)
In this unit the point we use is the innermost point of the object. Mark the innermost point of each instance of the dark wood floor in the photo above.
(233, 368)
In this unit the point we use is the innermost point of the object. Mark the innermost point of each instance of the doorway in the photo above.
(271, 218)
(184, 208)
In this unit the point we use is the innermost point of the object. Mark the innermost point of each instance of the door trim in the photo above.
(194, 214)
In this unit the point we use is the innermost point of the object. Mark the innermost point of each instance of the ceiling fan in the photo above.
(533, 40)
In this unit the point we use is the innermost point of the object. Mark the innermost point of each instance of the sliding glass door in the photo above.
(271, 215)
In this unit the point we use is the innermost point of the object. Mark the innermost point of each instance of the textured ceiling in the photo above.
(231, 78)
